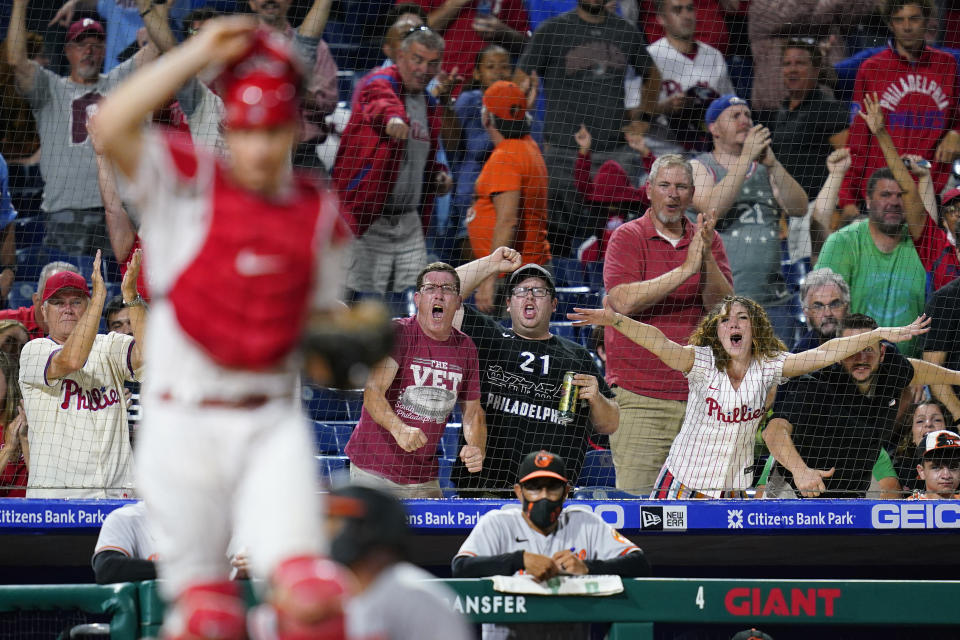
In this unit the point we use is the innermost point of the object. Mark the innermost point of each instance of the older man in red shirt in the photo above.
(662, 270)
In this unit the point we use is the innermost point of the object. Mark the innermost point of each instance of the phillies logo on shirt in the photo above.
(742, 413)
(90, 400)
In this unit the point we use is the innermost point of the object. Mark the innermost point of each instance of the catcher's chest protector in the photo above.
(245, 297)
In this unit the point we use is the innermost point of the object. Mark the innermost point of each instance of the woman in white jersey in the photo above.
(731, 364)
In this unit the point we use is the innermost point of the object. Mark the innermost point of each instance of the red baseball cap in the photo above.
(262, 88)
(505, 100)
(64, 280)
(85, 27)
(948, 196)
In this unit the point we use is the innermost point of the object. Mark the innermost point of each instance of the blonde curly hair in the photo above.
(764, 343)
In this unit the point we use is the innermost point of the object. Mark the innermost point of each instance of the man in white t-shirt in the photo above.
(694, 74)
(72, 384)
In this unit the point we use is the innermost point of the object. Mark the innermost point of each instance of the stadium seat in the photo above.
(450, 441)
(598, 469)
(331, 437)
(565, 330)
(326, 404)
(446, 484)
(329, 468)
(568, 272)
(20, 293)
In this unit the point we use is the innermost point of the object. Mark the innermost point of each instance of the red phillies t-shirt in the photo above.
(463, 43)
(637, 253)
(938, 256)
(919, 101)
(25, 316)
(432, 376)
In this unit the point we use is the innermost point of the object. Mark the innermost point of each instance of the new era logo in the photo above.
(651, 518)
(668, 518)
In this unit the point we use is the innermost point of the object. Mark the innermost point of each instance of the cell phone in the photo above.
(923, 163)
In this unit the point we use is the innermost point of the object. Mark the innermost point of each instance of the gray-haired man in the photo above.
(386, 167)
(826, 300)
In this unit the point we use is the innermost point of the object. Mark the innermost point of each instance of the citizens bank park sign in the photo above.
(632, 516)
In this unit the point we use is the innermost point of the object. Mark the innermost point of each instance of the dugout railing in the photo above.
(137, 610)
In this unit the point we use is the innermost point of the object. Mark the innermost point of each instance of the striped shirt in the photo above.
(714, 449)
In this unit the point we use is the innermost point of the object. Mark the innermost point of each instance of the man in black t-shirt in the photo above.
(942, 346)
(583, 56)
(809, 124)
(521, 378)
(827, 426)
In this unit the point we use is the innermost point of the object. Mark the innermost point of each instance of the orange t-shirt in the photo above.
(515, 165)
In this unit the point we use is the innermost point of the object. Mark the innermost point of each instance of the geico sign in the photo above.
(916, 515)
(612, 514)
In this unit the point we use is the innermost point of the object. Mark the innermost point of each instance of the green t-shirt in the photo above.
(888, 287)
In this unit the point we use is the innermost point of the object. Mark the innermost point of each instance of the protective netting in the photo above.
(802, 157)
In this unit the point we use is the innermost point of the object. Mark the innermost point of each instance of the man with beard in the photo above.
(522, 377)
(543, 540)
(742, 181)
(827, 426)
(826, 298)
(877, 256)
(410, 395)
(72, 204)
(583, 57)
(662, 270)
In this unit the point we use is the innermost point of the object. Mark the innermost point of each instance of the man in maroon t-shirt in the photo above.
(410, 395)
(662, 270)
(31, 317)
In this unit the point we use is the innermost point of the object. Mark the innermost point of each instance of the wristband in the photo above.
(146, 11)
(136, 302)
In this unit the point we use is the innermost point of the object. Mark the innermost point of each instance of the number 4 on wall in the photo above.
(699, 599)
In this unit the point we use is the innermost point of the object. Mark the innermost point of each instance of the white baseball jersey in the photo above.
(401, 605)
(714, 449)
(578, 530)
(680, 72)
(176, 217)
(79, 435)
(127, 530)
(245, 468)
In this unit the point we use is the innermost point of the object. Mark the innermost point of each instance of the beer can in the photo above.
(569, 393)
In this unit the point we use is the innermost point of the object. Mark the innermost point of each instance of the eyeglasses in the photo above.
(818, 307)
(538, 292)
(445, 289)
(419, 27)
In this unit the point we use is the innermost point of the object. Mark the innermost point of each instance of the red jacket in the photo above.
(368, 158)
(919, 101)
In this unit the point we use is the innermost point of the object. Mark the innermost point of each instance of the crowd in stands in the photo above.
(739, 192)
